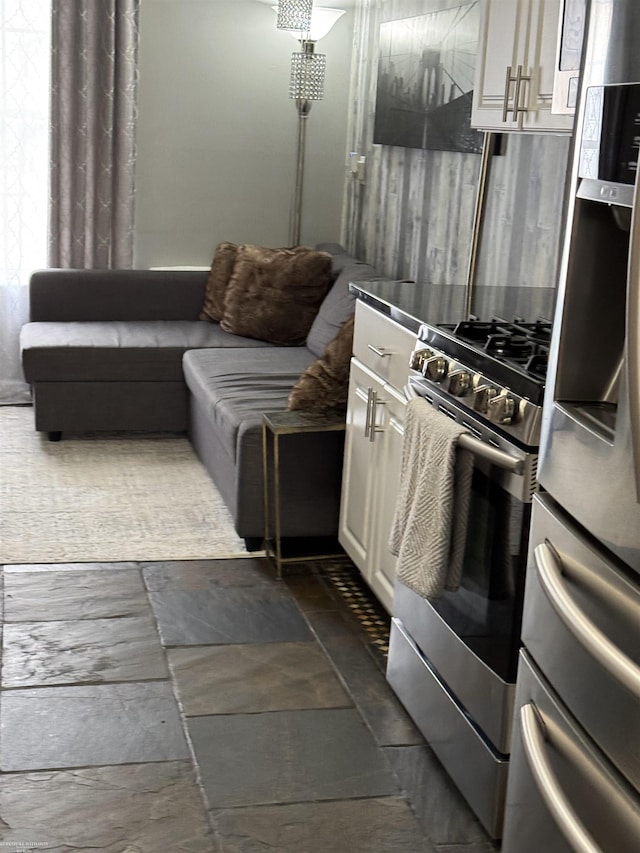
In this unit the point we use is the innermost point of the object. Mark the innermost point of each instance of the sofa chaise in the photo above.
(110, 350)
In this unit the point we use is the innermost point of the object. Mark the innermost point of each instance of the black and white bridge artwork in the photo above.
(425, 79)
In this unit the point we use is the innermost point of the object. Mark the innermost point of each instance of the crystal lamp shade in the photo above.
(307, 76)
(294, 14)
(322, 20)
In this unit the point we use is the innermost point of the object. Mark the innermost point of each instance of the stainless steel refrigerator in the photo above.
(574, 779)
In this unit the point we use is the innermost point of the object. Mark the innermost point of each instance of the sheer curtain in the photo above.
(93, 111)
(24, 163)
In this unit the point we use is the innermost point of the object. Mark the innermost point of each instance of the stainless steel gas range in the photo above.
(453, 659)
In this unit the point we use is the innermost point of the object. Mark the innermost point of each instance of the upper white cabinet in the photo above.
(517, 67)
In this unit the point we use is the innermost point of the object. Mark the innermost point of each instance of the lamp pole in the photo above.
(307, 24)
(303, 106)
(306, 86)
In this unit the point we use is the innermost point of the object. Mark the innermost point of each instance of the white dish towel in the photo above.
(429, 529)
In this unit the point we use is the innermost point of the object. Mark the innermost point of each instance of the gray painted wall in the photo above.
(413, 216)
(216, 147)
(216, 131)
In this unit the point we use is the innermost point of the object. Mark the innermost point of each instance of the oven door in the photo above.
(485, 611)
(471, 637)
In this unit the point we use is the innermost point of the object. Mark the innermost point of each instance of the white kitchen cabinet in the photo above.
(358, 472)
(516, 67)
(382, 566)
(373, 446)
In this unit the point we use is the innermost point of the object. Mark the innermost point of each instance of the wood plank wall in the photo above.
(413, 216)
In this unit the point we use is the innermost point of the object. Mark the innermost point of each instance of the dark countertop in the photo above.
(412, 304)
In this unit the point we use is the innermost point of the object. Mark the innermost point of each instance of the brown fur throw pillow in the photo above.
(324, 385)
(222, 266)
(274, 294)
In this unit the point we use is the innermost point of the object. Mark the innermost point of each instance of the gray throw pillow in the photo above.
(337, 306)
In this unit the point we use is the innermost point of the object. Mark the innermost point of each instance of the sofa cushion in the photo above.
(274, 294)
(324, 385)
(78, 295)
(219, 276)
(114, 351)
(338, 305)
(237, 388)
(340, 257)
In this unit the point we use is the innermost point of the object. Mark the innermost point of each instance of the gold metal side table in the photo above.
(275, 425)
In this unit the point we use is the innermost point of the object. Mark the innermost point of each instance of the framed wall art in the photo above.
(425, 79)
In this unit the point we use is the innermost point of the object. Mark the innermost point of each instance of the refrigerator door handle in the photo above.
(614, 661)
(536, 732)
(632, 337)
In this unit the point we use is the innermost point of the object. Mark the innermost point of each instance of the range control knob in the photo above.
(502, 409)
(418, 357)
(435, 368)
(482, 396)
(459, 382)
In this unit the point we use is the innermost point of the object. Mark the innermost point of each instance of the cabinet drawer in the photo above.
(478, 771)
(559, 780)
(382, 345)
(581, 627)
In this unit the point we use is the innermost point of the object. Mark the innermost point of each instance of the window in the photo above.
(24, 162)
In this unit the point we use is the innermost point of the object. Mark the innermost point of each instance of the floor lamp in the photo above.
(307, 24)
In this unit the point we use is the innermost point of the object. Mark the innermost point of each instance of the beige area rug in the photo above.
(106, 497)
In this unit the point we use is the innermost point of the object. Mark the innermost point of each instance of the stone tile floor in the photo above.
(206, 706)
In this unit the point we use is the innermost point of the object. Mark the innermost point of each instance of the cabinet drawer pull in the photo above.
(608, 655)
(520, 79)
(381, 351)
(373, 429)
(367, 417)
(536, 730)
(372, 416)
(507, 85)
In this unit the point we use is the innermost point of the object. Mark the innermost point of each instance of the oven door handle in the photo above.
(491, 454)
(480, 448)
(609, 656)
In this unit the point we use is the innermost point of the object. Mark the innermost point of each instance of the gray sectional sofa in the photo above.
(125, 350)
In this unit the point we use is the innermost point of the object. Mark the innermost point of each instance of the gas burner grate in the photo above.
(538, 363)
(484, 332)
(540, 330)
(519, 344)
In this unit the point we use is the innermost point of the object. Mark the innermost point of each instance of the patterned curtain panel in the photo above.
(93, 112)
(24, 160)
